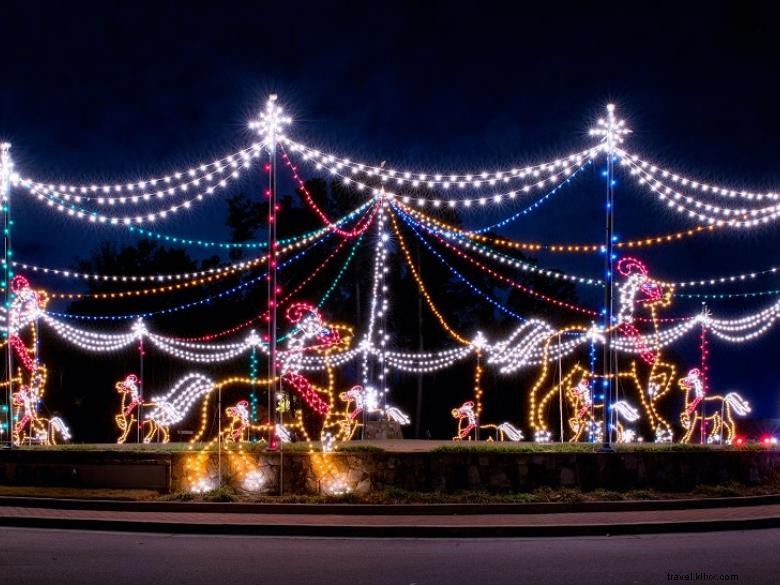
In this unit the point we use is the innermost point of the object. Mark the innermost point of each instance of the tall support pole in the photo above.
(139, 328)
(560, 386)
(272, 285)
(705, 351)
(140, 387)
(612, 131)
(270, 127)
(6, 168)
(609, 257)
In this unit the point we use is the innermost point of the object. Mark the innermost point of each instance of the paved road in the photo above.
(33, 556)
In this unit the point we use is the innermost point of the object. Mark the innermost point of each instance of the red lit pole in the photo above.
(272, 284)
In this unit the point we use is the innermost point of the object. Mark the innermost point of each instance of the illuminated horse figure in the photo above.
(29, 426)
(623, 410)
(355, 405)
(131, 405)
(359, 402)
(584, 418)
(238, 428)
(467, 425)
(315, 337)
(25, 308)
(696, 397)
(535, 342)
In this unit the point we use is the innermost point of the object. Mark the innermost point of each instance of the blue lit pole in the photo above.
(609, 259)
(612, 131)
(6, 168)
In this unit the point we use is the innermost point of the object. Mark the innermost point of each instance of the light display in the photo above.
(312, 350)
(238, 428)
(694, 415)
(146, 417)
(559, 174)
(650, 382)
(468, 427)
(151, 188)
(460, 180)
(28, 426)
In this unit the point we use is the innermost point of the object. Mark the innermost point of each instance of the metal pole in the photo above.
(6, 166)
(560, 385)
(140, 386)
(704, 379)
(272, 285)
(219, 437)
(608, 291)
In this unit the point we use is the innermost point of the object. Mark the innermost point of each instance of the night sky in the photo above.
(125, 90)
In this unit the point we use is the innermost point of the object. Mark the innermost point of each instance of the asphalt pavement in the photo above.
(37, 556)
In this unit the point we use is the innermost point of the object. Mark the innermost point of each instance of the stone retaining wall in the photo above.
(503, 472)
(363, 472)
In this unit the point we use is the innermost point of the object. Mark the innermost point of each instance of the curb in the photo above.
(386, 509)
(384, 531)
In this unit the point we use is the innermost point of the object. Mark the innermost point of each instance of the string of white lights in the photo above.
(223, 354)
(175, 183)
(557, 174)
(55, 201)
(238, 266)
(415, 179)
(713, 280)
(696, 185)
(378, 305)
(702, 211)
(90, 340)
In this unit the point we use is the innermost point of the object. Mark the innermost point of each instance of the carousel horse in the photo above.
(23, 313)
(31, 427)
(467, 425)
(725, 407)
(357, 402)
(132, 403)
(535, 342)
(238, 427)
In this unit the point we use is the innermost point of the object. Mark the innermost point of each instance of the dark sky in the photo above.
(113, 91)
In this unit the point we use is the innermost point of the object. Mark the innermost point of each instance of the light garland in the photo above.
(138, 191)
(231, 245)
(694, 184)
(446, 181)
(313, 205)
(558, 248)
(475, 289)
(558, 175)
(56, 201)
(467, 243)
(421, 286)
(189, 305)
(513, 283)
(699, 211)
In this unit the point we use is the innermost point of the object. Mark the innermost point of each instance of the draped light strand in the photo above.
(701, 211)
(55, 201)
(467, 243)
(693, 184)
(145, 190)
(458, 180)
(560, 248)
(555, 177)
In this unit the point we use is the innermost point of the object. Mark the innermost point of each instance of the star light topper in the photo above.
(612, 130)
(270, 125)
(6, 169)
